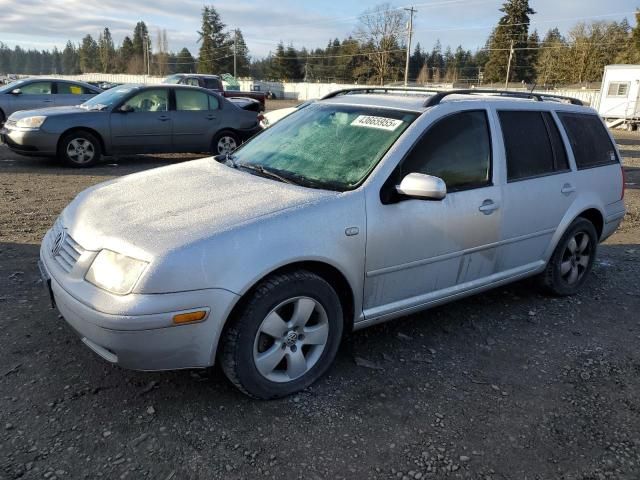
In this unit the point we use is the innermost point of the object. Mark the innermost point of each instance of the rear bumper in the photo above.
(615, 214)
(29, 142)
(150, 349)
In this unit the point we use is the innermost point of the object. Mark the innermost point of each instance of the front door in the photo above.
(419, 251)
(146, 127)
(32, 96)
(195, 120)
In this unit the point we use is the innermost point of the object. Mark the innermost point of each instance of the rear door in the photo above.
(539, 187)
(70, 93)
(196, 118)
(33, 95)
(147, 127)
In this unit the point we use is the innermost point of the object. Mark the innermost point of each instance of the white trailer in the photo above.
(619, 102)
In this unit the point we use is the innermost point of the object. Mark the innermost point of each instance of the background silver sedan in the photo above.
(32, 93)
(132, 119)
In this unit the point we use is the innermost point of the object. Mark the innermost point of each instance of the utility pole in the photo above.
(506, 82)
(406, 66)
(235, 52)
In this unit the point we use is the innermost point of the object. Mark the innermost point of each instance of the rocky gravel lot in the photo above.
(509, 384)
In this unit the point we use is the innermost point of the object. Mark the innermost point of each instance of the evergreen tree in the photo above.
(89, 55)
(141, 46)
(125, 54)
(416, 62)
(70, 59)
(185, 63)
(242, 54)
(107, 51)
(512, 30)
(215, 48)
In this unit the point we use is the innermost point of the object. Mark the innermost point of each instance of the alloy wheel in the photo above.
(291, 339)
(80, 150)
(576, 258)
(226, 145)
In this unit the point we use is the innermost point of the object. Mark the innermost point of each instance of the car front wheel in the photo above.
(286, 336)
(80, 149)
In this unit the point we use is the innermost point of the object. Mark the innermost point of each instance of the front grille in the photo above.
(64, 249)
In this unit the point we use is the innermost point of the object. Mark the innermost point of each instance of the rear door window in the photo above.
(532, 143)
(190, 100)
(65, 88)
(212, 83)
(589, 139)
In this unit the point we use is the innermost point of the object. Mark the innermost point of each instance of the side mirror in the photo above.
(421, 186)
(16, 91)
(125, 108)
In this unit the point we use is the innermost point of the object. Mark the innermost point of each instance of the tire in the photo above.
(80, 149)
(304, 318)
(2, 118)
(572, 259)
(224, 142)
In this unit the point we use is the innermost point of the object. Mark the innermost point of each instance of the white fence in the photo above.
(303, 90)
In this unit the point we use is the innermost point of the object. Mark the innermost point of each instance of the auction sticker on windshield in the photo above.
(381, 123)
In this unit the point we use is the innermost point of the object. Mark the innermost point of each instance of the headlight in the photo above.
(114, 272)
(31, 122)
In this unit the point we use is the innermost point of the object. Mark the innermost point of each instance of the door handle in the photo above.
(567, 189)
(211, 117)
(47, 101)
(163, 118)
(488, 207)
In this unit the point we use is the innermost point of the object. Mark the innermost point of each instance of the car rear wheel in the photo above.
(225, 142)
(2, 118)
(80, 149)
(572, 259)
(286, 336)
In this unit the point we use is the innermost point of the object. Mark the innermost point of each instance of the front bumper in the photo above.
(29, 142)
(154, 345)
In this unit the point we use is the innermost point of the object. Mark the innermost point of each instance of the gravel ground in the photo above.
(509, 384)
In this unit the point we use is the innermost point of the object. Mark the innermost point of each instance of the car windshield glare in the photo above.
(330, 146)
(174, 79)
(11, 86)
(109, 98)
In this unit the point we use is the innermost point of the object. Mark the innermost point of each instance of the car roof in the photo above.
(53, 79)
(203, 75)
(418, 101)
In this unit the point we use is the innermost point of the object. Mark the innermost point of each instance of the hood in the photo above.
(149, 213)
(49, 112)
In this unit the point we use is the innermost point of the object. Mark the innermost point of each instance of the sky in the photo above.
(44, 24)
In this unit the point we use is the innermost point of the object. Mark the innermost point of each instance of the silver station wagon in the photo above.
(365, 206)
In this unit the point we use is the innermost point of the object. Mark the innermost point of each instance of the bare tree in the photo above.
(381, 32)
(163, 52)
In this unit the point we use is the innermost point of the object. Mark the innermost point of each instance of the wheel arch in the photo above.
(82, 129)
(324, 270)
(590, 212)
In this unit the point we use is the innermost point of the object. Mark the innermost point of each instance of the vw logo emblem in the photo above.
(291, 338)
(58, 241)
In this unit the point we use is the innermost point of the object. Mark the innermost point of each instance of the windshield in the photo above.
(330, 146)
(172, 79)
(10, 86)
(109, 98)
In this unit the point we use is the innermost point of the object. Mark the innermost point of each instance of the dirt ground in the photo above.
(509, 384)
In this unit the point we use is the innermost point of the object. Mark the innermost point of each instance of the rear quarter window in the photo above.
(589, 139)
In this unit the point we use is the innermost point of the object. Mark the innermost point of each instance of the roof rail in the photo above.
(347, 91)
(537, 96)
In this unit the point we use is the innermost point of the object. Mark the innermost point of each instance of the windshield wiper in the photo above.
(266, 172)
